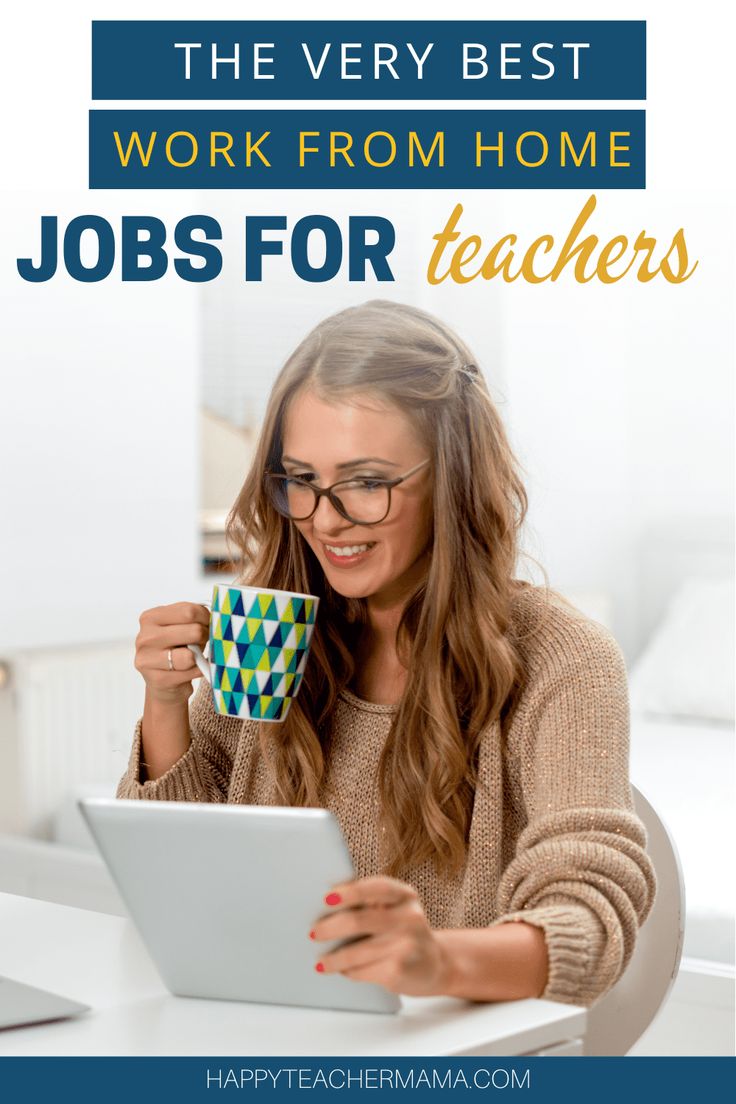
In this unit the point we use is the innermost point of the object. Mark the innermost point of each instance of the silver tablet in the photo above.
(25, 1004)
(224, 897)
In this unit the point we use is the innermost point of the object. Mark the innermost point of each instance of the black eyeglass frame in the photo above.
(318, 492)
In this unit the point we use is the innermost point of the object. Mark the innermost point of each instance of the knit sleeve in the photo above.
(580, 871)
(203, 772)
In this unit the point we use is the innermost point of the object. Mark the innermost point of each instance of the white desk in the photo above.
(100, 960)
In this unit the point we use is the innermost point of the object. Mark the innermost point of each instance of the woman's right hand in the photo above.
(167, 629)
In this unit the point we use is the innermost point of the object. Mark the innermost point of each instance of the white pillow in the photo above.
(687, 669)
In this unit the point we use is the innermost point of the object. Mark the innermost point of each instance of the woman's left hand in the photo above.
(397, 948)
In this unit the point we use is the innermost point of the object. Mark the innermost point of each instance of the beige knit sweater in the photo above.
(553, 839)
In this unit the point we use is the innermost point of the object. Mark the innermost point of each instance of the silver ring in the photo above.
(171, 660)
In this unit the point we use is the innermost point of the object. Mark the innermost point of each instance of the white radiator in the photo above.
(66, 720)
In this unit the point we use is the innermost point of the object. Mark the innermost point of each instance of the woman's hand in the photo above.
(165, 631)
(168, 667)
(396, 947)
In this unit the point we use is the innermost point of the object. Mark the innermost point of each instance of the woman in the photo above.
(468, 730)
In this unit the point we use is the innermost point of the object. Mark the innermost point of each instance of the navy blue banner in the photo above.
(543, 1080)
(363, 59)
(525, 148)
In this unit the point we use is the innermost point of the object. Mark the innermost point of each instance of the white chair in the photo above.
(620, 1017)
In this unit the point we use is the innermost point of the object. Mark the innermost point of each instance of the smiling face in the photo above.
(322, 441)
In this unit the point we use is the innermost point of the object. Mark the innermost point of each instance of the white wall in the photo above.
(98, 440)
(621, 402)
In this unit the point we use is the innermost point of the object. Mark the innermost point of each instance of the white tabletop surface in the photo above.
(101, 961)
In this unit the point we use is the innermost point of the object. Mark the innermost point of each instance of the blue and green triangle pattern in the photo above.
(259, 644)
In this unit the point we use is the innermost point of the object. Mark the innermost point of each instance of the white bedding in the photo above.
(686, 770)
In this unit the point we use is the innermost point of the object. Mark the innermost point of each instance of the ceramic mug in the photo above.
(258, 647)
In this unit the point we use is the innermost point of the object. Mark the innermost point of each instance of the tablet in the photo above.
(25, 1004)
(224, 897)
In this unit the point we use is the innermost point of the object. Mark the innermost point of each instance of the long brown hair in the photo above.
(464, 668)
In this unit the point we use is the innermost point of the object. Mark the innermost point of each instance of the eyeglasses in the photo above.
(363, 500)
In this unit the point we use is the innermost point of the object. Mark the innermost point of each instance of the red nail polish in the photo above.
(319, 968)
(312, 935)
(333, 899)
